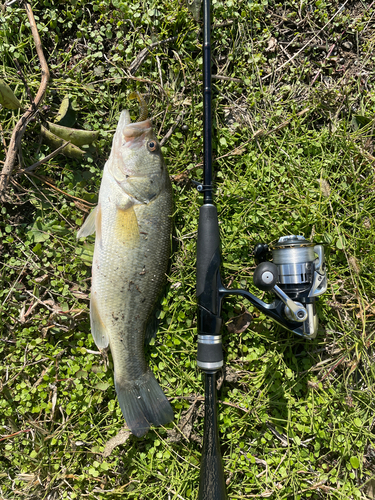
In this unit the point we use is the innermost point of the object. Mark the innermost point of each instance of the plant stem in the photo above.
(20, 127)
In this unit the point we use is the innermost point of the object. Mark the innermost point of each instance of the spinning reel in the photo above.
(296, 277)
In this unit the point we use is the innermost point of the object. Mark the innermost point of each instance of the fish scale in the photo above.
(133, 226)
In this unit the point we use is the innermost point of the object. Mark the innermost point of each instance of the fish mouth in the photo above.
(134, 133)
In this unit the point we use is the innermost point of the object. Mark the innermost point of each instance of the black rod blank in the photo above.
(212, 484)
(207, 103)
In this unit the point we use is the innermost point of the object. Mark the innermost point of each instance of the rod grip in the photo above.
(208, 258)
(210, 351)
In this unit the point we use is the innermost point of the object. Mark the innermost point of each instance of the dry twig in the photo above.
(44, 160)
(138, 61)
(20, 128)
(171, 130)
(42, 179)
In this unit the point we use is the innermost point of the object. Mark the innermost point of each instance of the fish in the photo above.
(132, 223)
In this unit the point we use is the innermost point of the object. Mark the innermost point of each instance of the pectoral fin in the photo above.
(97, 326)
(126, 228)
(98, 223)
(88, 226)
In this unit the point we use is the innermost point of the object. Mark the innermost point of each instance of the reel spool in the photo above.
(297, 277)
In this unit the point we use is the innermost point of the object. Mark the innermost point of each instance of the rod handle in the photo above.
(208, 258)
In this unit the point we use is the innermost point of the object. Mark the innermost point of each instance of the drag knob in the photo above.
(265, 276)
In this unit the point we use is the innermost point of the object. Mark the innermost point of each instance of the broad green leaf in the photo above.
(55, 142)
(38, 236)
(102, 386)
(362, 120)
(39, 232)
(86, 253)
(93, 472)
(354, 462)
(357, 422)
(340, 243)
(66, 115)
(7, 97)
(75, 136)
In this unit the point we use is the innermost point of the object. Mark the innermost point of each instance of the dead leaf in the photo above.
(182, 178)
(312, 385)
(28, 478)
(239, 323)
(54, 398)
(76, 313)
(231, 375)
(228, 374)
(22, 313)
(370, 489)
(325, 188)
(258, 133)
(220, 378)
(78, 294)
(41, 279)
(272, 45)
(82, 206)
(49, 302)
(120, 438)
(185, 426)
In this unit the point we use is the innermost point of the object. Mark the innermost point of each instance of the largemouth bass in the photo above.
(133, 226)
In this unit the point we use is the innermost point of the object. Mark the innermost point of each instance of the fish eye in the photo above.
(152, 145)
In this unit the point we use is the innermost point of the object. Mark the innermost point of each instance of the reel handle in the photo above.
(265, 278)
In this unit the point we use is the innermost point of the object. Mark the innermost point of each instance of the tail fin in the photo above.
(142, 403)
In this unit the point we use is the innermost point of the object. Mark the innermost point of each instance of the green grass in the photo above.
(296, 417)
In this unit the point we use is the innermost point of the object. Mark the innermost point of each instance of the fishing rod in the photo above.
(295, 278)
